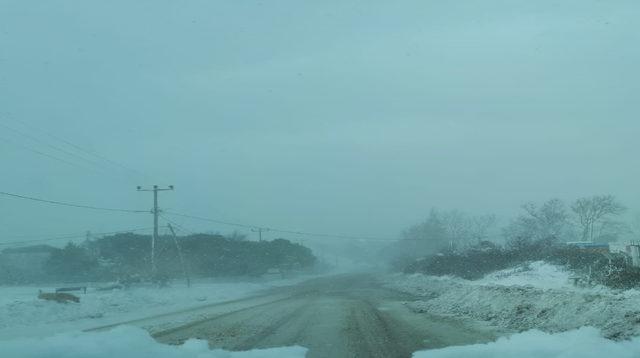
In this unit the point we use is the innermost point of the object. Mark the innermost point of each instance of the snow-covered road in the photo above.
(347, 315)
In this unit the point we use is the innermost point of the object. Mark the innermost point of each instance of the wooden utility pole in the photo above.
(155, 211)
(259, 231)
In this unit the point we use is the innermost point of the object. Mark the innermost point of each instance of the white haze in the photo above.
(352, 117)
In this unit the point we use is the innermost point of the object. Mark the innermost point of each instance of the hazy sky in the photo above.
(351, 117)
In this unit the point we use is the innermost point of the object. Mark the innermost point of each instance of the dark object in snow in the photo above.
(58, 297)
(115, 286)
(69, 289)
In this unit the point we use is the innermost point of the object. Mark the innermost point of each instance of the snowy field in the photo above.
(558, 319)
(22, 314)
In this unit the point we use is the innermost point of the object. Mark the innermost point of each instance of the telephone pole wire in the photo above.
(155, 212)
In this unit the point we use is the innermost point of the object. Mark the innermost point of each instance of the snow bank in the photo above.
(127, 342)
(585, 342)
(537, 274)
(524, 307)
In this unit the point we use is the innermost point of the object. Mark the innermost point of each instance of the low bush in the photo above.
(479, 260)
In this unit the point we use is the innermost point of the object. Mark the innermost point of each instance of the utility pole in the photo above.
(155, 211)
(185, 270)
(259, 231)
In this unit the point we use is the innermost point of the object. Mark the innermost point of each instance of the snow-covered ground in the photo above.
(586, 342)
(22, 314)
(126, 342)
(539, 296)
(536, 274)
(557, 319)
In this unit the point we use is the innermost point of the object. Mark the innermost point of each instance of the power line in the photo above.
(39, 141)
(180, 227)
(70, 204)
(72, 236)
(212, 220)
(284, 231)
(83, 150)
(337, 236)
(42, 153)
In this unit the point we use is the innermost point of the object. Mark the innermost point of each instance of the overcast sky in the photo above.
(352, 117)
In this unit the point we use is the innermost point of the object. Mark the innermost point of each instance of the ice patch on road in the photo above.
(585, 342)
(127, 342)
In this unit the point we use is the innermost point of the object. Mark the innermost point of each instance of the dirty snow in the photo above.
(523, 301)
(22, 314)
(586, 342)
(127, 342)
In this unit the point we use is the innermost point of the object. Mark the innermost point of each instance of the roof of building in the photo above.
(30, 249)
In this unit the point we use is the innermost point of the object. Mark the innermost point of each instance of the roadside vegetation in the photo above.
(126, 258)
(454, 243)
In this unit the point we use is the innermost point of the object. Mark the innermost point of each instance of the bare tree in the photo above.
(594, 214)
(426, 237)
(457, 226)
(447, 229)
(635, 224)
(551, 217)
(547, 222)
(465, 229)
(481, 226)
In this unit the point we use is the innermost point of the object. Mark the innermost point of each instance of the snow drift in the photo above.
(22, 314)
(519, 300)
(585, 342)
(127, 342)
(536, 274)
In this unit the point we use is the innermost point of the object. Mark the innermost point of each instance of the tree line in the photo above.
(594, 219)
(455, 243)
(126, 256)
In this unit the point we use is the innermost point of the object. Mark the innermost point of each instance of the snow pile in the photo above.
(127, 342)
(537, 274)
(23, 314)
(521, 308)
(585, 342)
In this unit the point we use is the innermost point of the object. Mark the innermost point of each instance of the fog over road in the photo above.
(349, 315)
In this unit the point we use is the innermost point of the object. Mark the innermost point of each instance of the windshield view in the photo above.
(250, 178)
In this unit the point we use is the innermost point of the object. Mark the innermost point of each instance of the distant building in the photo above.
(634, 252)
(631, 249)
(24, 264)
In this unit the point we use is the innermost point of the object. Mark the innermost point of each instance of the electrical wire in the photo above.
(83, 150)
(39, 141)
(70, 204)
(246, 226)
(42, 153)
(72, 236)
(177, 226)
(283, 231)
